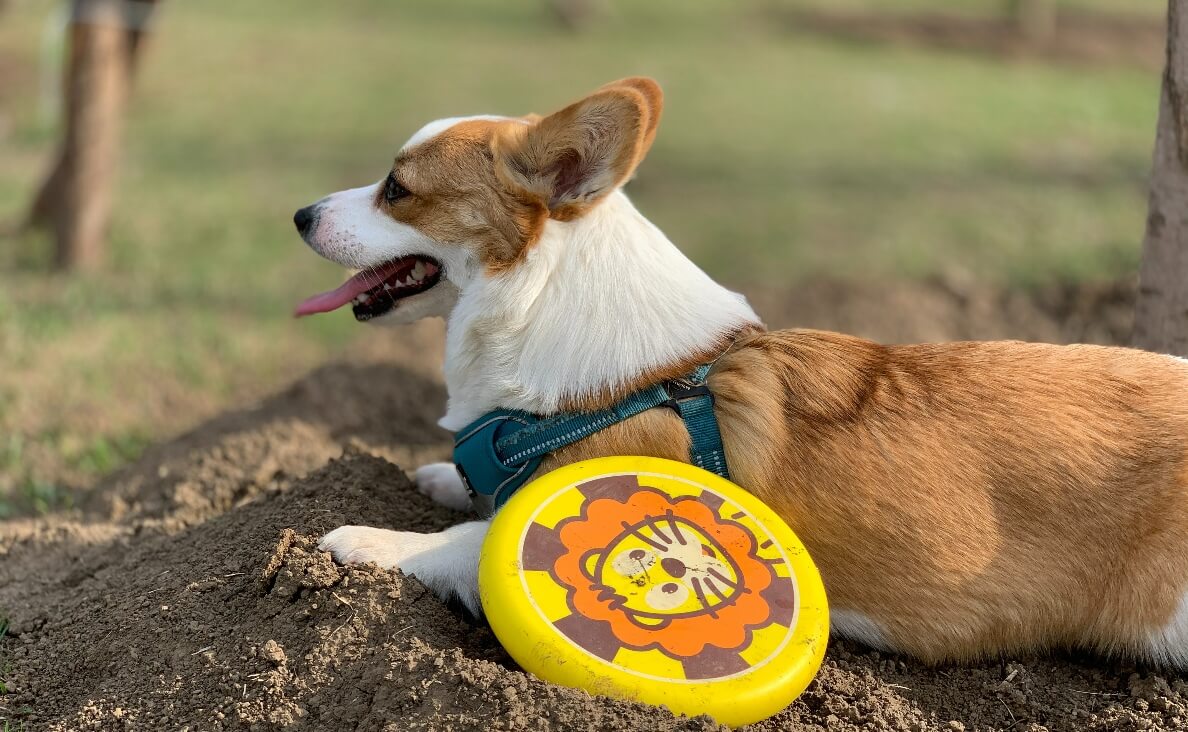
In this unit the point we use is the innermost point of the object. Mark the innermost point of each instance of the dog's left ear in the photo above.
(573, 158)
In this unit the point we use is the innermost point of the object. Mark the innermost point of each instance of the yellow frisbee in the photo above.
(654, 580)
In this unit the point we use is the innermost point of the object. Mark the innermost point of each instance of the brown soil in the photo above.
(187, 594)
(1080, 37)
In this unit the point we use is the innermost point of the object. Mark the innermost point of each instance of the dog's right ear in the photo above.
(573, 158)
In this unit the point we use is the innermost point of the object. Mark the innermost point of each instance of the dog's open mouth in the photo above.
(376, 290)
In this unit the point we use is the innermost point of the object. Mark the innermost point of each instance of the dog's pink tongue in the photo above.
(336, 298)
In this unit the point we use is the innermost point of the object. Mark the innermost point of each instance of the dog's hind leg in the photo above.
(446, 562)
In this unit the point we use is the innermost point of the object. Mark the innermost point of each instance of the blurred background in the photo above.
(901, 169)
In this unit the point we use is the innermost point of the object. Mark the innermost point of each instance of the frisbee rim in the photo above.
(751, 694)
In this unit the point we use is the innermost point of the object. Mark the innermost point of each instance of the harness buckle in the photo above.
(488, 480)
(680, 390)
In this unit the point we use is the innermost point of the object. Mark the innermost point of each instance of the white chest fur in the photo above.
(595, 303)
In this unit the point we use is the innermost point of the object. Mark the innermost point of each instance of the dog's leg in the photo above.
(856, 626)
(440, 482)
(446, 562)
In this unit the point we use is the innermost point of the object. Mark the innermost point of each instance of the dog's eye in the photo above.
(393, 191)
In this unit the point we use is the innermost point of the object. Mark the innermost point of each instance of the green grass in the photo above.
(780, 157)
(77, 459)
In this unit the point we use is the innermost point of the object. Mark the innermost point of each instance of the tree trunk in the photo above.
(1161, 312)
(75, 197)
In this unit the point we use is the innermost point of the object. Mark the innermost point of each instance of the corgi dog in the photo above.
(960, 500)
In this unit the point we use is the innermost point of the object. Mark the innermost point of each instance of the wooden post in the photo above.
(1161, 312)
(97, 81)
(75, 196)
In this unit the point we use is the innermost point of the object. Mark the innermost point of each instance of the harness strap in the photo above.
(537, 440)
(498, 452)
(695, 404)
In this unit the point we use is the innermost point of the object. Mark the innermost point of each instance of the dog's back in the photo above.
(972, 497)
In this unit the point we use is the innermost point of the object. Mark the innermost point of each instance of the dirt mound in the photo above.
(1079, 37)
(239, 622)
(189, 594)
(955, 307)
(224, 463)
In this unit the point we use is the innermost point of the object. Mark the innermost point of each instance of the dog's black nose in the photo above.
(303, 218)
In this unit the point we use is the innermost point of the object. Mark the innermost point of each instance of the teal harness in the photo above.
(498, 452)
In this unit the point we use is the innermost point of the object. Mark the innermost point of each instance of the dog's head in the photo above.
(467, 197)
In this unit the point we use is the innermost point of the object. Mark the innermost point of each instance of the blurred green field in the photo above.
(781, 157)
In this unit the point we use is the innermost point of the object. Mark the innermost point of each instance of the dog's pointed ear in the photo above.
(573, 158)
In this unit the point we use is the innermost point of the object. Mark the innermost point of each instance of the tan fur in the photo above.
(572, 159)
(667, 372)
(971, 498)
(497, 181)
(456, 197)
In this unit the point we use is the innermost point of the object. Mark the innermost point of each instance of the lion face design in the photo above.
(644, 570)
(661, 568)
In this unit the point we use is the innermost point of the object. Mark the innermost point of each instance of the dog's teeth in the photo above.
(418, 271)
(387, 286)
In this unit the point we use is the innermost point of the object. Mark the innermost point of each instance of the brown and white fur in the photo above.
(960, 499)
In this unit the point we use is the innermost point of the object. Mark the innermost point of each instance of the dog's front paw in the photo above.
(359, 544)
(446, 562)
(440, 481)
